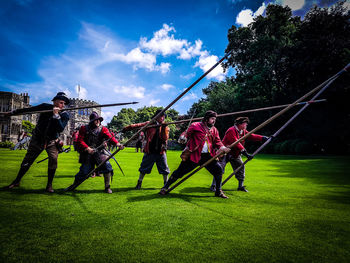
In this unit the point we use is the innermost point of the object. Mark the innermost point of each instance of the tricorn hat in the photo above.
(94, 116)
(241, 120)
(61, 96)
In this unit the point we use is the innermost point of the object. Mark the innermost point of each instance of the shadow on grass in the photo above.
(56, 176)
(23, 191)
(333, 174)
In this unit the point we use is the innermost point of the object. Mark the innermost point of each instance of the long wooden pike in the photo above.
(275, 134)
(241, 112)
(75, 108)
(319, 88)
(159, 114)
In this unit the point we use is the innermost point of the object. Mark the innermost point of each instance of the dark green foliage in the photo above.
(28, 127)
(6, 144)
(278, 58)
(128, 116)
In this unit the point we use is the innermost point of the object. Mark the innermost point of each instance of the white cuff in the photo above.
(56, 116)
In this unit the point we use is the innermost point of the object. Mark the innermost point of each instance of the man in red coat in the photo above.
(155, 148)
(90, 137)
(203, 141)
(233, 134)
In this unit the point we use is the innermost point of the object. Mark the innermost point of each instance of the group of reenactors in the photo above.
(201, 138)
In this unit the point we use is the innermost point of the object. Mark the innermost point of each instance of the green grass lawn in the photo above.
(297, 210)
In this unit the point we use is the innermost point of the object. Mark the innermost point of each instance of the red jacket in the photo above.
(104, 134)
(232, 135)
(150, 132)
(196, 137)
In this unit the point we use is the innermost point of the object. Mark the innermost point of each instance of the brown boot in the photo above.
(107, 178)
(221, 194)
(12, 185)
(50, 176)
(73, 186)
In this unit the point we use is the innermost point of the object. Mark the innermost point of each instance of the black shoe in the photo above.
(70, 188)
(213, 188)
(163, 191)
(221, 194)
(242, 188)
(138, 186)
(11, 186)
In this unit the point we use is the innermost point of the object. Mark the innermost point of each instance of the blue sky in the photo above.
(119, 51)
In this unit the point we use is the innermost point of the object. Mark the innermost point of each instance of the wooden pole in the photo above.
(262, 125)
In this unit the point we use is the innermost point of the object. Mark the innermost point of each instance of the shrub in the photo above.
(303, 147)
(7, 144)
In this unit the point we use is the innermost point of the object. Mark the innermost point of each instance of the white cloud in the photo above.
(246, 16)
(347, 5)
(167, 86)
(107, 116)
(164, 44)
(206, 61)
(188, 76)
(190, 96)
(154, 102)
(131, 91)
(293, 4)
(81, 92)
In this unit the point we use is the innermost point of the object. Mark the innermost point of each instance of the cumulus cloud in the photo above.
(206, 61)
(165, 43)
(190, 96)
(154, 102)
(107, 116)
(131, 91)
(167, 86)
(293, 4)
(188, 76)
(246, 16)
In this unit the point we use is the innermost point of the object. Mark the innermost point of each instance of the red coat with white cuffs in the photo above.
(232, 135)
(195, 136)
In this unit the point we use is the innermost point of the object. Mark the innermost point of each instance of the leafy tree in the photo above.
(28, 127)
(278, 58)
(128, 116)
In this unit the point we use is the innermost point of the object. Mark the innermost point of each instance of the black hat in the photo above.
(94, 116)
(209, 114)
(61, 96)
(157, 112)
(241, 120)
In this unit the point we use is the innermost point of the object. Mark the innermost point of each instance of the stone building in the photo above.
(11, 126)
(78, 117)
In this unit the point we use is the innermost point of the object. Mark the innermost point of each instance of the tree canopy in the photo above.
(277, 59)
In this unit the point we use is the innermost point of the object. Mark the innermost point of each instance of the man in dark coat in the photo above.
(233, 134)
(91, 144)
(155, 148)
(45, 137)
(203, 143)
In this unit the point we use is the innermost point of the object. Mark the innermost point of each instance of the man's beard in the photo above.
(210, 124)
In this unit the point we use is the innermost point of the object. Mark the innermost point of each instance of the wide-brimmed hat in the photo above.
(94, 116)
(61, 96)
(209, 114)
(241, 120)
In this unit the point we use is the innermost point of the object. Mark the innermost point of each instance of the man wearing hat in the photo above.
(45, 137)
(90, 137)
(155, 148)
(233, 134)
(202, 143)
